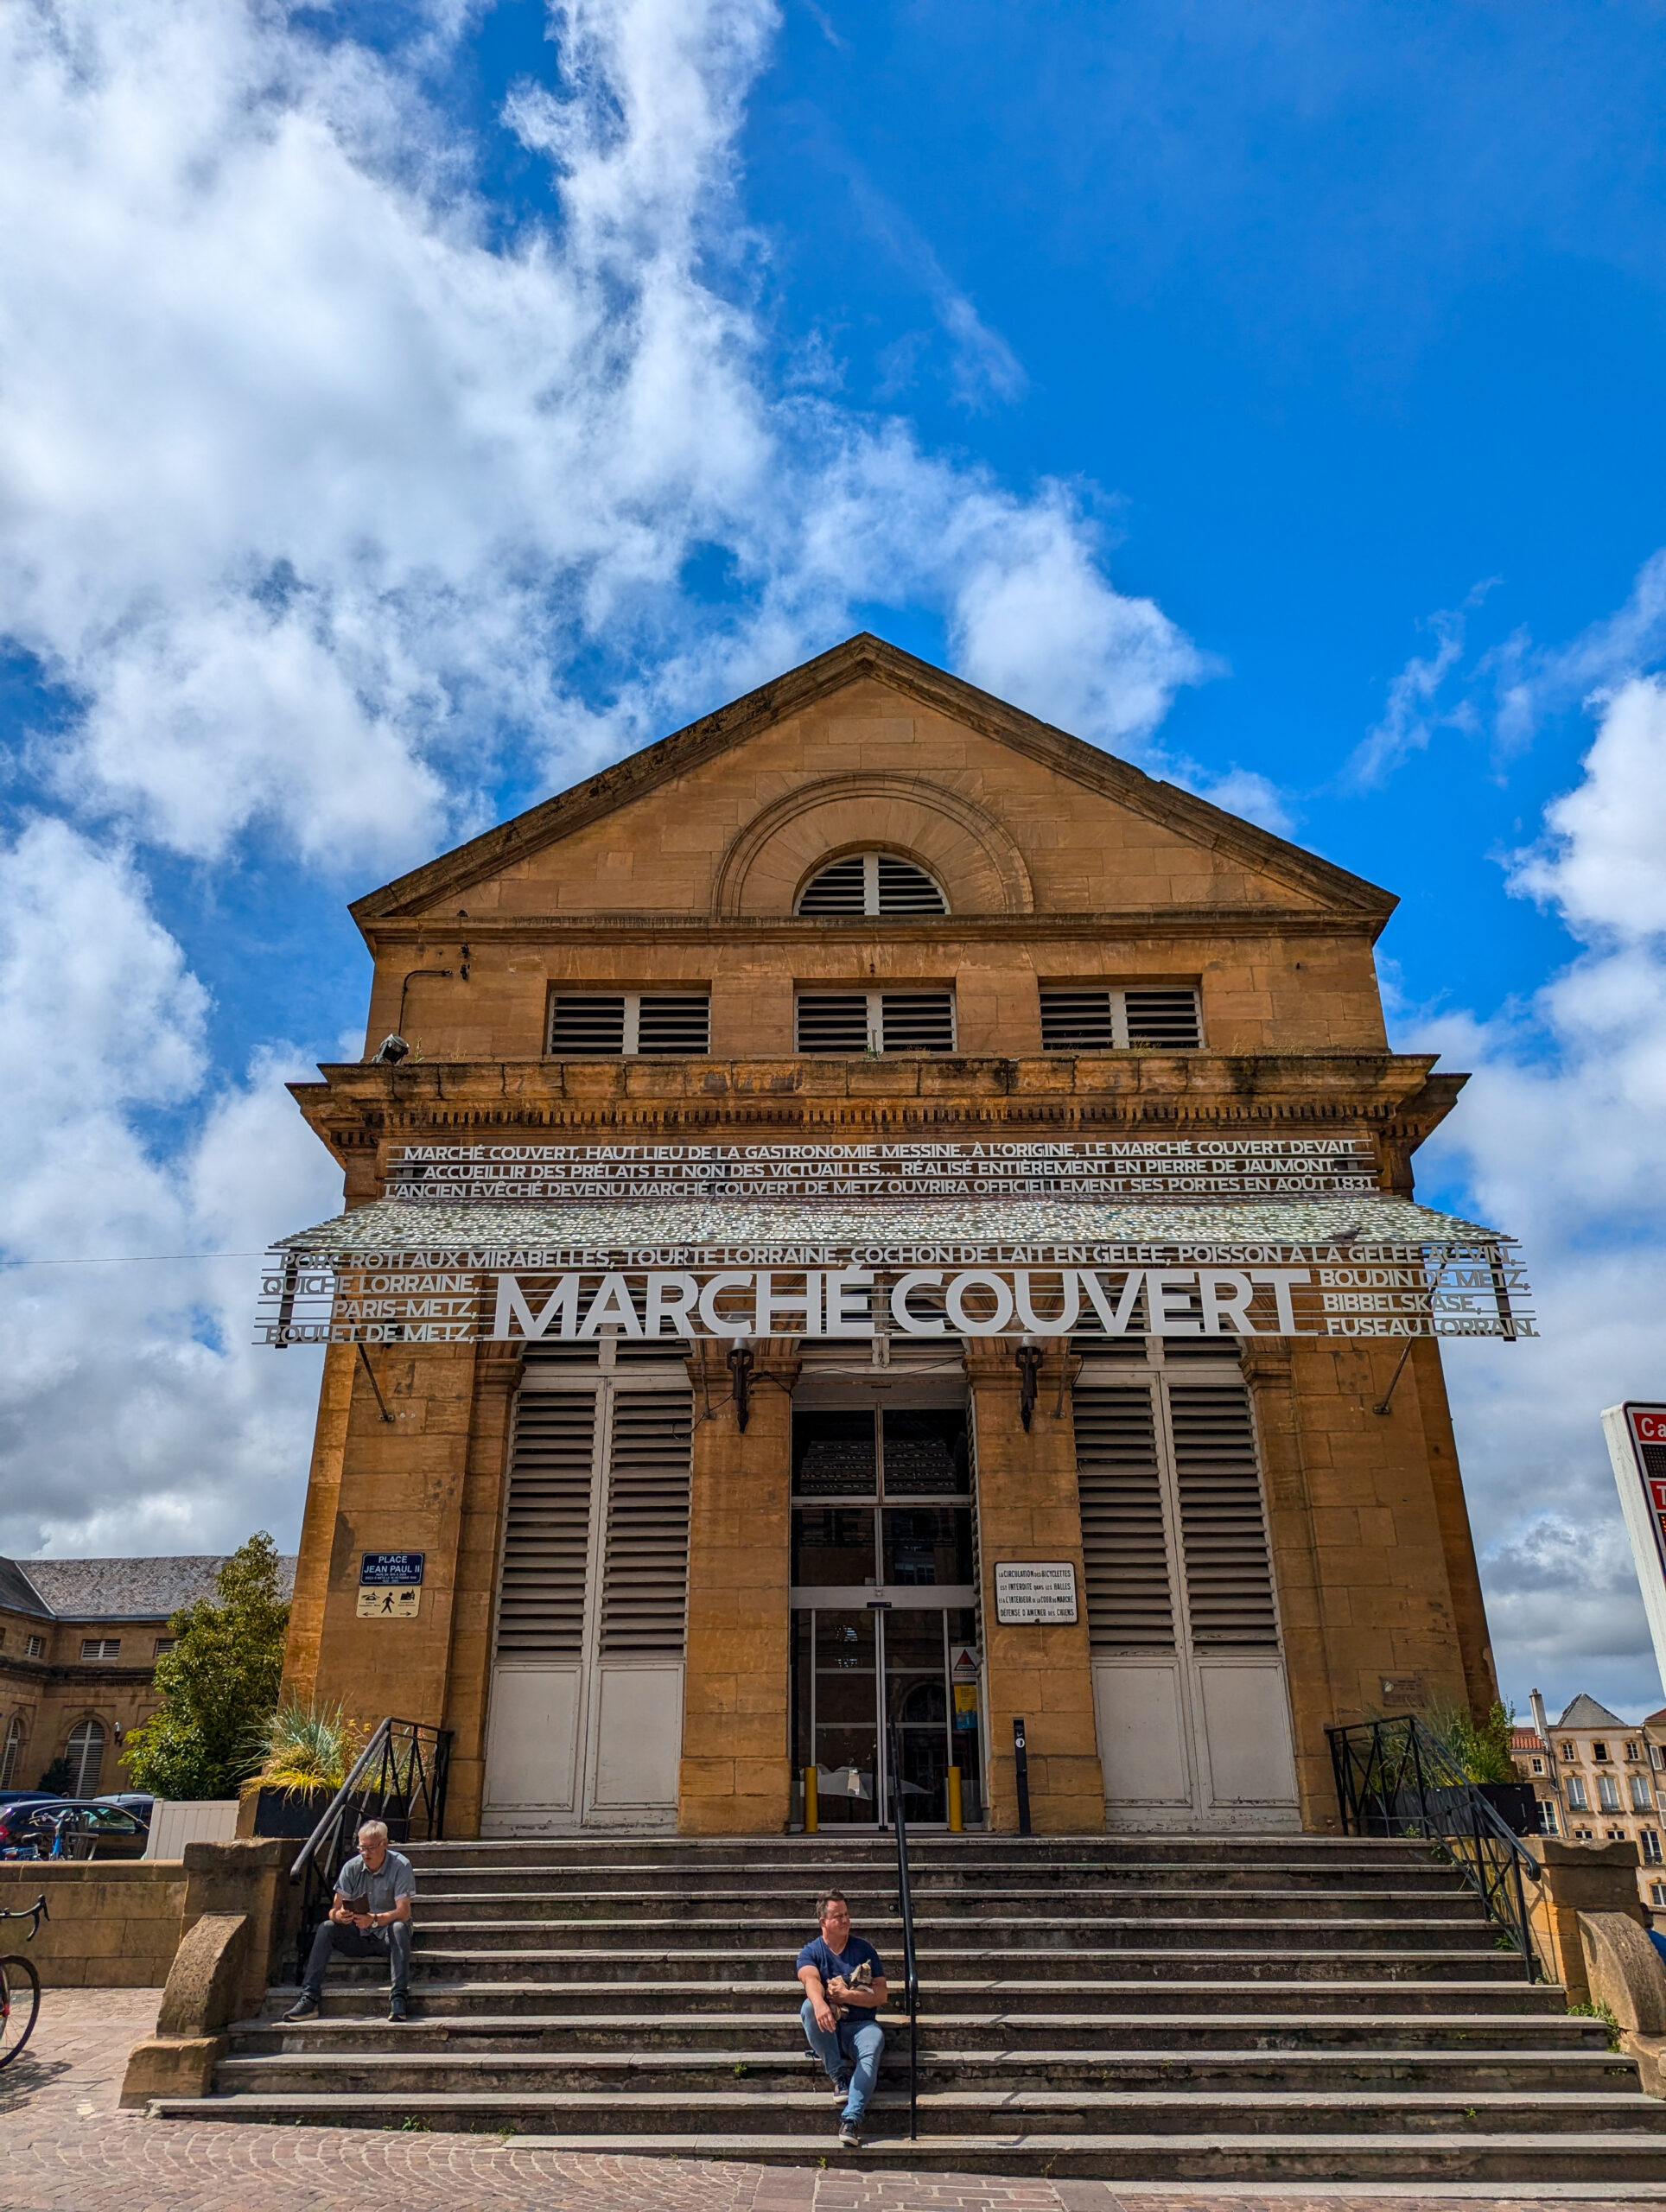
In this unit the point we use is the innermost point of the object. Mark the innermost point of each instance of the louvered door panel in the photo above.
(547, 1535)
(644, 1579)
(1229, 1577)
(1125, 1551)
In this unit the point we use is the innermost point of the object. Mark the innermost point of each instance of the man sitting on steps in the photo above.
(844, 1987)
(369, 1918)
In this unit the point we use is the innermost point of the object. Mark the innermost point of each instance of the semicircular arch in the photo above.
(966, 849)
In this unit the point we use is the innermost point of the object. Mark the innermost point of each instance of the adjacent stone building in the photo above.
(869, 1223)
(80, 1639)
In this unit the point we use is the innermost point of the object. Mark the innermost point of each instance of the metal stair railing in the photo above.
(399, 1778)
(1396, 1778)
(906, 1903)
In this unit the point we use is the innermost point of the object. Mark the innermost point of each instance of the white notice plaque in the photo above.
(397, 1605)
(1033, 1590)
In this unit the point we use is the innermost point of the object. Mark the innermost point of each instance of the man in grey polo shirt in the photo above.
(370, 1918)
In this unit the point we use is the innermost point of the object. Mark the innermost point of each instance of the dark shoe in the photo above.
(849, 2136)
(397, 2007)
(841, 2088)
(305, 2009)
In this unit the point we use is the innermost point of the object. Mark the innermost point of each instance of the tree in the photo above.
(219, 1684)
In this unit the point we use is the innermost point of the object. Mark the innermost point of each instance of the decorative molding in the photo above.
(1000, 851)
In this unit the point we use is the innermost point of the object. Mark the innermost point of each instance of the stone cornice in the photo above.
(1141, 922)
(857, 659)
(1395, 1097)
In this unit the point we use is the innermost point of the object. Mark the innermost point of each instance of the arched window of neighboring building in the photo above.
(872, 883)
(86, 1750)
(13, 1752)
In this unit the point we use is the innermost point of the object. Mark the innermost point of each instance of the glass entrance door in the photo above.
(885, 1613)
(854, 1671)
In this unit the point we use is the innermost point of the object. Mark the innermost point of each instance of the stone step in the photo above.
(994, 2078)
(1584, 2162)
(784, 1937)
(789, 1907)
(434, 2027)
(358, 1991)
(771, 1878)
(805, 2115)
(1194, 1963)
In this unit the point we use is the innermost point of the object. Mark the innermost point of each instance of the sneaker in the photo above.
(841, 2088)
(306, 2009)
(849, 2136)
(397, 2007)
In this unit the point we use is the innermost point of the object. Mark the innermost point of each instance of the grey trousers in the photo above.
(391, 1943)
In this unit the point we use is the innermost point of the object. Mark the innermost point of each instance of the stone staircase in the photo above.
(1136, 2009)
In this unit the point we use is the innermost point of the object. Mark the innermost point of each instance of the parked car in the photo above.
(88, 1830)
(136, 1802)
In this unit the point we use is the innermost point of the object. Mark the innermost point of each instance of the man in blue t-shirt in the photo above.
(844, 1987)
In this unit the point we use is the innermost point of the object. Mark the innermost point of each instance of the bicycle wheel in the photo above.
(20, 2001)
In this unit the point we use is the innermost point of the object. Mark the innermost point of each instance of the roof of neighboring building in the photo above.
(17, 1593)
(1527, 1740)
(1585, 1712)
(117, 1589)
(1654, 1720)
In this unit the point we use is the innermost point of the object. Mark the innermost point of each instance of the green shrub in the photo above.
(1482, 1752)
(308, 1747)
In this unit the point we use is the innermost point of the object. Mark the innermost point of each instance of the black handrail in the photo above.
(1397, 1777)
(906, 1900)
(400, 1778)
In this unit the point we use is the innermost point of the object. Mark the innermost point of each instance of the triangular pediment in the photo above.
(1074, 773)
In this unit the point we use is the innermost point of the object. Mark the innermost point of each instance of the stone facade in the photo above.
(680, 867)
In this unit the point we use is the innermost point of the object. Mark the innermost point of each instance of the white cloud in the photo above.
(134, 1414)
(1534, 682)
(310, 488)
(1412, 712)
(1562, 1139)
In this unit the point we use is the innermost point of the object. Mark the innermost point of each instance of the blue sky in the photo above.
(408, 409)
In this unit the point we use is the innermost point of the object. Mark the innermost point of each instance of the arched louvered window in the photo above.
(872, 883)
(87, 1750)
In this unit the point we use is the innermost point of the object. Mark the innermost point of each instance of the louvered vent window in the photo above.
(876, 1021)
(1229, 1578)
(1095, 1020)
(547, 1539)
(1125, 1549)
(644, 1584)
(872, 883)
(585, 1024)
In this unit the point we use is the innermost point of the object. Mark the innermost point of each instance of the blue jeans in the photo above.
(854, 2047)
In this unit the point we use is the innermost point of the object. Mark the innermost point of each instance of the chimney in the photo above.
(1539, 1720)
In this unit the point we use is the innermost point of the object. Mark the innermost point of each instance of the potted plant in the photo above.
(308, 1752)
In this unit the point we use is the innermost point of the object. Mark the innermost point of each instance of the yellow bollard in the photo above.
(812, 1823)
(957, 1824)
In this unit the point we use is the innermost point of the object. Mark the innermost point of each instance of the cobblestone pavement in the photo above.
(65, 2147)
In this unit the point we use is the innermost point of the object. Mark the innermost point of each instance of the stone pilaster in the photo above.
(735, 1778)
(1027, 1509)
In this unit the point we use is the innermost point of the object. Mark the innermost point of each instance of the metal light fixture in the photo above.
(392, 1050)
(1029, 1356)
(741, 1365)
